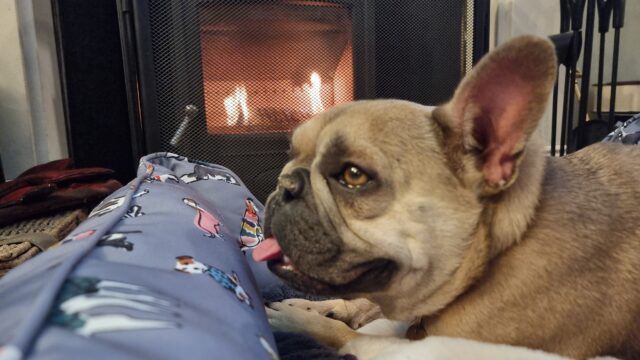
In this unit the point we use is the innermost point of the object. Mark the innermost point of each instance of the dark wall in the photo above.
(93, 82)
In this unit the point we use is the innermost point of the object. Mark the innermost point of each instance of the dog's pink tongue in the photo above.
(268, 249)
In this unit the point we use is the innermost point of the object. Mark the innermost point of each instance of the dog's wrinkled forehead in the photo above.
(362, 122)
(305, 138)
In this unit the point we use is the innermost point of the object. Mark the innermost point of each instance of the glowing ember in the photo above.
(236, 107)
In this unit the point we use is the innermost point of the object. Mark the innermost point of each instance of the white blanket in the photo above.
(433, 347)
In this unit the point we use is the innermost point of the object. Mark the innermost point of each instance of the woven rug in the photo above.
(23, 240)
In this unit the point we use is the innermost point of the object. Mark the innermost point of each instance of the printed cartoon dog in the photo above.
(133, 212)
(187, 264)
(206, 173)
(162, 178)
(251, 232)
(117, 240)
(107, 206)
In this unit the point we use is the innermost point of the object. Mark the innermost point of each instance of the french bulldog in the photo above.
(454, 216)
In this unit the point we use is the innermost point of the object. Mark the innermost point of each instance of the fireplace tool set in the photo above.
(576, 133)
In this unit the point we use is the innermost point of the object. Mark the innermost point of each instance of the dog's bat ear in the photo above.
(498, 105)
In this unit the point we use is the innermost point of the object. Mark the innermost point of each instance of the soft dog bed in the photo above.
(157, 271)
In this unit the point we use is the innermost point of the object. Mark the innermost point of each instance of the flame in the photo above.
(237, 109)
(315, 93)
(231, 107)
(241, 96)
(236, 106)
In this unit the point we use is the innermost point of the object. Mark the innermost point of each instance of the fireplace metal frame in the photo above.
(141, 81)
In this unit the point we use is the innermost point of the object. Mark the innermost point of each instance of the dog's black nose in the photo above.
(294, 185)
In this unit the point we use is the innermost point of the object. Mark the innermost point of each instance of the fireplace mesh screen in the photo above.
(232, 78)
(419, 51)
(268, 67)
(243, 75)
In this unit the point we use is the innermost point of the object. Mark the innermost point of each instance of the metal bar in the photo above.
(600, 76)
(565, 16)
(57, 30)
(614, 77)
(571, 101)
(586, 73)
(565, 99)
(554, 116)
(605, 8)
(576, 8)
(618, 23)
(129, 60)
(565, 23)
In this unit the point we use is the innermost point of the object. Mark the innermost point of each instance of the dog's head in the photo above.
(189, 265)
(381, 198)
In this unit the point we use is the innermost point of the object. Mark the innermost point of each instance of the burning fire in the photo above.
(236, 107)
(314, 93)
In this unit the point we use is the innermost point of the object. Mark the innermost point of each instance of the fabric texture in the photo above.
(157, 271)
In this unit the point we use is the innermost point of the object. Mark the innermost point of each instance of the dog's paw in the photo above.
(328, 308)
(291, 319)
(283, 317)
(355, 313)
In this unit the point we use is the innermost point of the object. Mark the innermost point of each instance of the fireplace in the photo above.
(267, 67)
(226, 81)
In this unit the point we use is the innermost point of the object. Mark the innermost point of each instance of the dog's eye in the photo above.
(353, 177)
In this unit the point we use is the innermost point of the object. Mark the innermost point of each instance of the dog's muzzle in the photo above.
(309, 255)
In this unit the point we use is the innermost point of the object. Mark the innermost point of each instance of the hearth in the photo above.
(226, 81)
